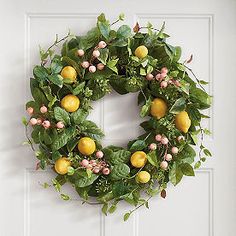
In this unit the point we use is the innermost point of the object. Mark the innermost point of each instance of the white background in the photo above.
(200, 206)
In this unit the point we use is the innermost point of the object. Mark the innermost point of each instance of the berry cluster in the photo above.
(95, 54)
(96, 166)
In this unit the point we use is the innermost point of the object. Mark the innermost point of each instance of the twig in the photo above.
(29, 140)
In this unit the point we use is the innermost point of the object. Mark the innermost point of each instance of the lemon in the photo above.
(138, 159)
(69, 72)
(70, 103)
(141, 52)
(182, 121)
(158, 108)
(143, 177)
(86, 146)
(61, 165)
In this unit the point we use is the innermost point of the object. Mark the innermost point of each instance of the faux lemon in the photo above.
(142, 177)
(158, 108)
(70, 103)
(69, 72)
(86, 146)
(61, 165)
(138, 159)
(182, 121)
(141, 52)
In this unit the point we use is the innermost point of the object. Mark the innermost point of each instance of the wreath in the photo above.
(64, 87)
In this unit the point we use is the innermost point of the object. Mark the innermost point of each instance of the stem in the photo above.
(29, 140)
(145, 27)
(143, 94)
(140, 205)
(115, 22)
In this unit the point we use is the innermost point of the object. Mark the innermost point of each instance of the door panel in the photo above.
(200, 206)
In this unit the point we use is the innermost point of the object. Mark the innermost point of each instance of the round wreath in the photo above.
(88, 68)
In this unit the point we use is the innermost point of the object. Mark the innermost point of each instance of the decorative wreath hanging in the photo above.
(90, 66)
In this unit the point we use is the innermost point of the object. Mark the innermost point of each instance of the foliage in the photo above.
(123, 72)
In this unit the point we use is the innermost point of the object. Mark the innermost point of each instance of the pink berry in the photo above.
(164, 84)
(89, 167)
(43, 109)
(158, 76)
(96, 53)
(60, 125)
(100, 66)
(30, 110)
(170, 81)
(85, 64)
(180, 138)
(164, 70)
(46, 124)
(96, 170)
(163, 75)
(168, 157)
(152, 146)
(158, 137)
(33, 121)
(102, 44)
(177, 83)
(80, 52)
(174, 150)
(106, 171)
(39, 121)
(149, 76)
(92, 69)
(99, 154)
(84, 162)
(164, 140)
(164, 165)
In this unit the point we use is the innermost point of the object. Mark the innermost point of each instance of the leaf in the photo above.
(120, 156)
(40, 72)
(61, 115)
(152, 158)
(138, 145)
(197, 165)
(79, 88)
(200, 97)
(39, 97)
(91, 130)
(186, 155)
(163, 193)
(65, 197)
(112, 209)
(124, 32)
(105, 208)
(104, 52)
(79, 116)
(72, 144)
(187, 169)
(177, 53)
(146, 108)
(120, 171)
(104, 29)
(56, 66)
(56, 79)
(175, 174)
(24, 121)
(178, 106)
(207, 152)
(111, 64)
(85, 181)
(62, 139)
(126, 216)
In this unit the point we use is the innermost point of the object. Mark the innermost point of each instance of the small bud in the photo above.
(174, 150)
(30, 110)
(96, 170)
(106, 171)
(168, 157)
(84, 162)
(164, 165)
(164, 84)
(180, 138)
(39, 121)
(152, 146)
(92, 69)
(33, 121)
(96, 53)
(100, 66)
(164, 141)
(80, 52)
(158, 137)
(102, 44)
(164, 70)
(149, 76)
(85, 64)
(43, 109)
(46, 124)
(60, 125)
(99, 154)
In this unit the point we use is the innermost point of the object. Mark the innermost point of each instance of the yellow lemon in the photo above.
(141, 52)
(61, 165)
(182, 121)
(70, 103)
(158, 108)
(86, 146)
(143, 177)
(138, 159)
(69, 72)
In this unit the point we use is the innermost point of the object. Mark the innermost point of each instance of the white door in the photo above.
(200, 206)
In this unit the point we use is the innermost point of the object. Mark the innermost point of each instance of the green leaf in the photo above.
(46, 137)
(90, 129)
(187, 169)
(111, 64)
(126, 216)
(85, 181)
(72, 144)
(138, 145)
(112, 209)
(197, 165)
(186, 155)
(24, 121)
(124, 32)
(79, 116)
(175, 174)
(152, 158)
(39, 96)
(120, 156)
(200, 97)
(61, 115)
(104, 28)
(104, 52)
(40, 72)
(105, 208)
(62, 139)
(122, 16)
(146, 108)
(178, 106)
(56, 66)
(79, 88)
(177, 53)
(207, 152)
(120, 171)
(203, 82)
(56, 79)
(65, 197)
